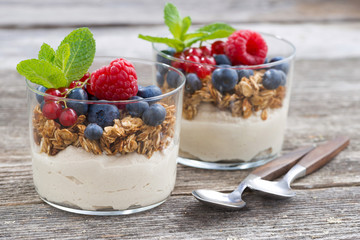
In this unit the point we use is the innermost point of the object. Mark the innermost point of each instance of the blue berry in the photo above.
(154, 115)
(160, 78)
(103, 114)
(222, 59)
(39, 97)
(244, 73)
(266, 61)
(224, 79)
(136, 109)
(80, 108)
(272, 78)
(283, 66)
(283, 78)
(162, 59)
(93, 131)
(193, 83)
(149, 91)
(173, 79)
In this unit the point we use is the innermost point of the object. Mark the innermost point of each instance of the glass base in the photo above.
(223, 165)
(103, 213)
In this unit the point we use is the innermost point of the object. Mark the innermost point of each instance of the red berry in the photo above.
(63, 90)
(203, 71)
(179, 63)
(208, 60)
(67, 117)
(117, 81)
(246, 47)
(75, 84)
(85, 77)
(54, 92)
(193, 52)
(205, 51)
(190, 67)
(218, 47)
(51, 109)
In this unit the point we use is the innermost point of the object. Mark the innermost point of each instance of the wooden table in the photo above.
(325, 102)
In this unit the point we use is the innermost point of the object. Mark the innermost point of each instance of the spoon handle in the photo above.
(281, 165)
(323, 154)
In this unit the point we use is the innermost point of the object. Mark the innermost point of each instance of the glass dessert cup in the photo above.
(240, 128)
(130, 169)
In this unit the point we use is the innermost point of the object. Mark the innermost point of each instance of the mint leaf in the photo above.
(216, 34)
(215, 27)
(62, 56)
(46, 53)
(42, 72)
(174, 43)
(82, 53)
(185, 25)
(173, 20)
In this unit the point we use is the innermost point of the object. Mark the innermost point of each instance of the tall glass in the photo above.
(131, 168)
(237, 129)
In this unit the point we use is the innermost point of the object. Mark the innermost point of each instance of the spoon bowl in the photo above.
(216, 199)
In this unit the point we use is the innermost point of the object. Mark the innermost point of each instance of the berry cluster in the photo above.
(222, 61)
(117, 81)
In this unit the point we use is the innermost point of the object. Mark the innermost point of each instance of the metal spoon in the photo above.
(269, 171)
(308, 164)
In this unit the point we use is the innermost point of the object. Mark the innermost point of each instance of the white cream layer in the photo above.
(215, 135)
(77, 178)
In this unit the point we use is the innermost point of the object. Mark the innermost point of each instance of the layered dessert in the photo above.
(237, 89)
(100, 142)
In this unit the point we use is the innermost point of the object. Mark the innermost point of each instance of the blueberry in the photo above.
(272, 78)
(224, 79)
(42, 105)
(39, 97)
(266, 61)
(93, 131)
(103, 114)
(160, 78)
(244, 73)
(283, 66)
(222, 59)
(162, 59)
(149, 91)
(173, 79)
(193, 83)
(80, 108)
(283, 78)
(154, 115)
(136, 109)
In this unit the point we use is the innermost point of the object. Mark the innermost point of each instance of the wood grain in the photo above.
(68, 13)
(183, 217)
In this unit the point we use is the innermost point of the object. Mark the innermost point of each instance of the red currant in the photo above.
(63, 90)
(75, 84)
(193, 52)
(68, 117)
(218, 47)
(205, 51)
(178, 63)
(51, 109)
(191, 67)
(203, 71)
(54, 92)
(85, 77)
(208, 60)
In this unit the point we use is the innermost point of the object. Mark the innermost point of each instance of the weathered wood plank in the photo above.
(308, 38)
(37, 13)
(312, 214)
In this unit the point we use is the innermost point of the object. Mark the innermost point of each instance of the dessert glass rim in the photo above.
(264, 65)
(31, 85)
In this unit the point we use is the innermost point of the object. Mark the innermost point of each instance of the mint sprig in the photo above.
(178, 27)
(71, 60)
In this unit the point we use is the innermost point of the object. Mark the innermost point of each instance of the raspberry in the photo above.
(217, 47)
(245, 47)
(117, 81)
